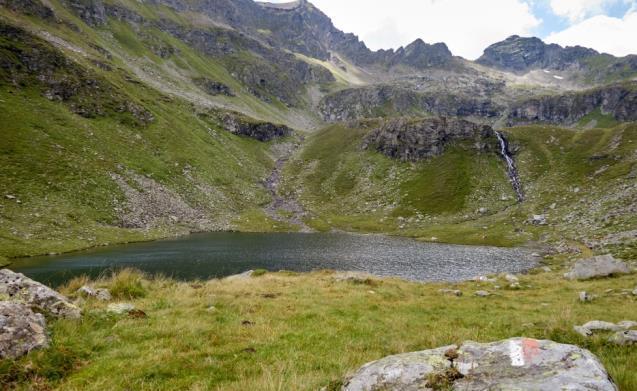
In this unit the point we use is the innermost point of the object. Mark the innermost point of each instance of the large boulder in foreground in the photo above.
(16, 287)
(21, 330)
(598, 266)
(513, 364)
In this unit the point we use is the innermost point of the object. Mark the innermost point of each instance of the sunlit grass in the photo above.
(281, 331)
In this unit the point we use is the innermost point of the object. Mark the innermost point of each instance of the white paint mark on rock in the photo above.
(516, 353)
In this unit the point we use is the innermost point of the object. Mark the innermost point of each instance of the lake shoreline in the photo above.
(219, 254)
(7, 261)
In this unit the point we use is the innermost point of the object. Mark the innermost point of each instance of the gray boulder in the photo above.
(595, 325)
(238, 277)
(16, 287)
(627, 324)
(513, 364)
(120, 308)
(588, 328)
(98, 293)
(583, 331)
(623, 338)
(353, 276)
(482, 293)
(598, 266)
(451, 292)
(21, 330)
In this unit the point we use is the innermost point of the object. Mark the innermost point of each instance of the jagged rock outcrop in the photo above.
(244, 126)
(583, 65)
(300, 27)
(21, 330)
(29, 7)
(513, 364)
(18, 288)
(269, 72)
(421, 55)
(26, 60)
(618, 101)
(213, 87)
(388, 100)
(414, 139)
(520, 54)
(92, 12)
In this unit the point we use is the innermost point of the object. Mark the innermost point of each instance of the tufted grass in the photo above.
(284, 331)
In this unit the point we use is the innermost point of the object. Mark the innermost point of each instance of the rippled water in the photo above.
(204, 256)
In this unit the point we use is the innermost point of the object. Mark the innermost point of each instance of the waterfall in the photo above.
(511, 170)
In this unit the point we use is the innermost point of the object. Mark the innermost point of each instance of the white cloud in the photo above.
(602, 33)
(466, 26)
(576, 10)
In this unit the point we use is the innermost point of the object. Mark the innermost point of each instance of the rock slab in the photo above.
(16, 287)
(513, 364)
(21, 330)
(598, 266)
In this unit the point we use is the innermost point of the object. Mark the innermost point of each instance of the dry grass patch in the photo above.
(283, 331)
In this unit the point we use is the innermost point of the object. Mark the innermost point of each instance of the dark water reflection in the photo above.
(205, 256)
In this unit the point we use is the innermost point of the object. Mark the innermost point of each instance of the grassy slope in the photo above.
(348, 188)
(305, 331)
(57, 163)
(58, 166)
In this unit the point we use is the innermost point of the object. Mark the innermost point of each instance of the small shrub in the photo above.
(259, 272)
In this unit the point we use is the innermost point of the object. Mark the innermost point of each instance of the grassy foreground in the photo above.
(288, 331)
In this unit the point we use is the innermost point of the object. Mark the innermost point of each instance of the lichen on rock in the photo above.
(16, 287)
(21, 330)
(513, 364)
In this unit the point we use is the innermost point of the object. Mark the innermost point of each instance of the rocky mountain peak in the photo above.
(521, 54)
(422, 55)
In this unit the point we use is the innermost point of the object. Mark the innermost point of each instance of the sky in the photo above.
(469, 26)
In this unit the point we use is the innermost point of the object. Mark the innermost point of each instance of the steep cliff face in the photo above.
(388, 100)
(243, 126)
(618, 101)
(414, 139)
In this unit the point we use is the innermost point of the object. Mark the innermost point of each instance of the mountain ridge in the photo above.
(170, 116)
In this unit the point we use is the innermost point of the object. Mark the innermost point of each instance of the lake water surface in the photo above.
(204, 256)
